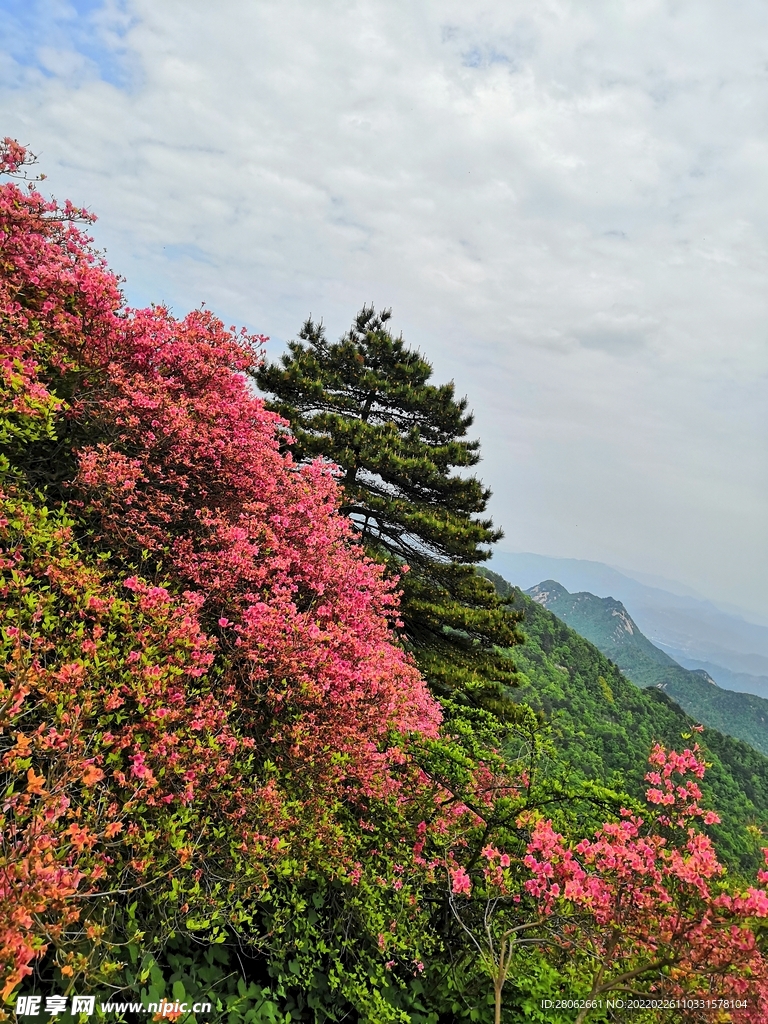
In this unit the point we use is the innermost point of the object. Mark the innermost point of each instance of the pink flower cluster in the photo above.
(650, 890)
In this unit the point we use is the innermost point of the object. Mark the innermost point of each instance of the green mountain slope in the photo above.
(607, 624)
(604, 726)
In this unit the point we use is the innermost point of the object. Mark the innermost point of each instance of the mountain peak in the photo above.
(602, 620)
(582, 608)
(547, 593)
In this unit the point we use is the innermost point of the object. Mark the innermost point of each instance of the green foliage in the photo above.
(203, 973)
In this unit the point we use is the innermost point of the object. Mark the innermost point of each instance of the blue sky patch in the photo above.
(187, 251)
(479, 57)
(65, 37)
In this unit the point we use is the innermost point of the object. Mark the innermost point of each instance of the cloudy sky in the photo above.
(565, 203)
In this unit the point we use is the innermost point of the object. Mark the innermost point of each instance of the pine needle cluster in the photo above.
(367, 403)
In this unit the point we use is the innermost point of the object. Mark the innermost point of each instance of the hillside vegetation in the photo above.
(607, 624)
(602, 722)
(237, 783)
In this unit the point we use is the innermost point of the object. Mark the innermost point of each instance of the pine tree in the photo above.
(366, 403)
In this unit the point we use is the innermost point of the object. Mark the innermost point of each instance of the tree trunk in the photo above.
(497, 987)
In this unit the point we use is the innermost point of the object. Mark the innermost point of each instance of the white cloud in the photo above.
(564, 203)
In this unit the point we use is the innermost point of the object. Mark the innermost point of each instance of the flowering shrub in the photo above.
(98, 686)
(645, 901)
(200, 680)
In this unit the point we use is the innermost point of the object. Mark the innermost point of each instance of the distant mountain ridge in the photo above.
(607, 624)
(692, 631)
(744, 682)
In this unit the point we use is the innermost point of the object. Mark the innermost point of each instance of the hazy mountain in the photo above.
(687, 627)
(606, 623)
(742, 681)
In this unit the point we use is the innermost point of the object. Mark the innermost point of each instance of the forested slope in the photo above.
(608, 625)
(602, 723)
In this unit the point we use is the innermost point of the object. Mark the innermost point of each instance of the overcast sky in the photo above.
(565, 203)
